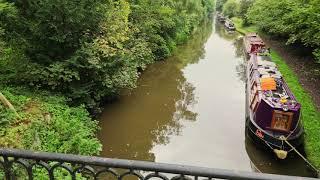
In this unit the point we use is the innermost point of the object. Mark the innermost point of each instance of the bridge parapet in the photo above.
(67, 166)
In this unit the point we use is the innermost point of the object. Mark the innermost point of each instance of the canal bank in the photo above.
(190, 109)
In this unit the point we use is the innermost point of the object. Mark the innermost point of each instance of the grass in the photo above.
(238, 22)
(311, 116)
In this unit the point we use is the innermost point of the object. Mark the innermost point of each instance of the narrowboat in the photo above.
(221, 18)
(273, 114)
(229, 25)
(253, 44)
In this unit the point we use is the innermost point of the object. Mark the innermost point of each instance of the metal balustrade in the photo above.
(89, 167)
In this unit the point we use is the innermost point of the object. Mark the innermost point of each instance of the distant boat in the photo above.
(229, 25)
(221, 18)
(253, 44)
(272, 112)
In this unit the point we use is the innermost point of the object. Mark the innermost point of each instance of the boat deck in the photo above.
(272, 86)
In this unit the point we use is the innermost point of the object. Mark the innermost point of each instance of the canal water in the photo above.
(190, 109)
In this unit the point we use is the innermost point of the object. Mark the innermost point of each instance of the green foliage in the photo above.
(242, 27)
(311, 117)
(163, 24)
(297, 21)
(47, 124)
(220, 4)
(244, 5)
(210, 5)
(316, 53)
(231, 8)
(90, 50)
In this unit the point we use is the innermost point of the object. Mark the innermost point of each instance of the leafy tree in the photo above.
(243, 9)
(231, 8)
(297, 21)
(220, 4)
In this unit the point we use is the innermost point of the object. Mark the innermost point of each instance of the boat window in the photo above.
(251, 70)
(281, 120)
(254, 99)
(251, 73)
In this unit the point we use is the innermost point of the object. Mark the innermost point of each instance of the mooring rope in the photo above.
(282, 138)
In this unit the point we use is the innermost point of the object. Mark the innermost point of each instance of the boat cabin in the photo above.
(253, 44)
(272, 105)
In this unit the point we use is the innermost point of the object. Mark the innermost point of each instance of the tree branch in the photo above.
(7, 103)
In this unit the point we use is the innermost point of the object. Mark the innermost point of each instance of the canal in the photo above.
(189, 109)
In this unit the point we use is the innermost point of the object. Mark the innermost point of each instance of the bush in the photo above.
(47, 124)
(231, 8)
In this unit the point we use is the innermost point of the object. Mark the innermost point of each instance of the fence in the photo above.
(66, 166)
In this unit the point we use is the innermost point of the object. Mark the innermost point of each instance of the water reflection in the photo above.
(153, 112)
(241, 67)
(236, 38)
(238, 43)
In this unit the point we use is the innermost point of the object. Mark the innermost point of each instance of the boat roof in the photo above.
(229, 22)
(254, 38)
(272, 86)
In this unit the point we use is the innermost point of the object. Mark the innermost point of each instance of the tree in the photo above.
(243, 9)
(294, 20)
(220, 4)
(231, 8)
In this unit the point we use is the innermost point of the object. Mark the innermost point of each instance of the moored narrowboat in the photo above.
(273, 114)
(221, 18)
(229, 25)
(253, 44)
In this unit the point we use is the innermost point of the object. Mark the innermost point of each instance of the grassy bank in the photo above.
(311, 117)
(238, 22)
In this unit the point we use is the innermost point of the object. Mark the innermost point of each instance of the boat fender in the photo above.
(281, 154)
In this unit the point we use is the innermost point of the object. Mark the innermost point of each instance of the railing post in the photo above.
(7, 168)
(51, 174)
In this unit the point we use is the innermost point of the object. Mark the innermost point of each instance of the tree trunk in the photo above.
(5, 102)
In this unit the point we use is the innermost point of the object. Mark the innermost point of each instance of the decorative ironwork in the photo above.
(21, 164)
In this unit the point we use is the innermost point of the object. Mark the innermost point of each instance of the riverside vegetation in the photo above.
(296, 22)
(60, 59)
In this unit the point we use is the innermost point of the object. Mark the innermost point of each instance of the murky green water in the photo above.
(190, 110)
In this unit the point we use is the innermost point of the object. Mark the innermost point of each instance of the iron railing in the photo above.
(66, 166)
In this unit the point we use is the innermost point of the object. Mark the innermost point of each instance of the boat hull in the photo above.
(266, 141)
(270, 142)
(230, 28)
